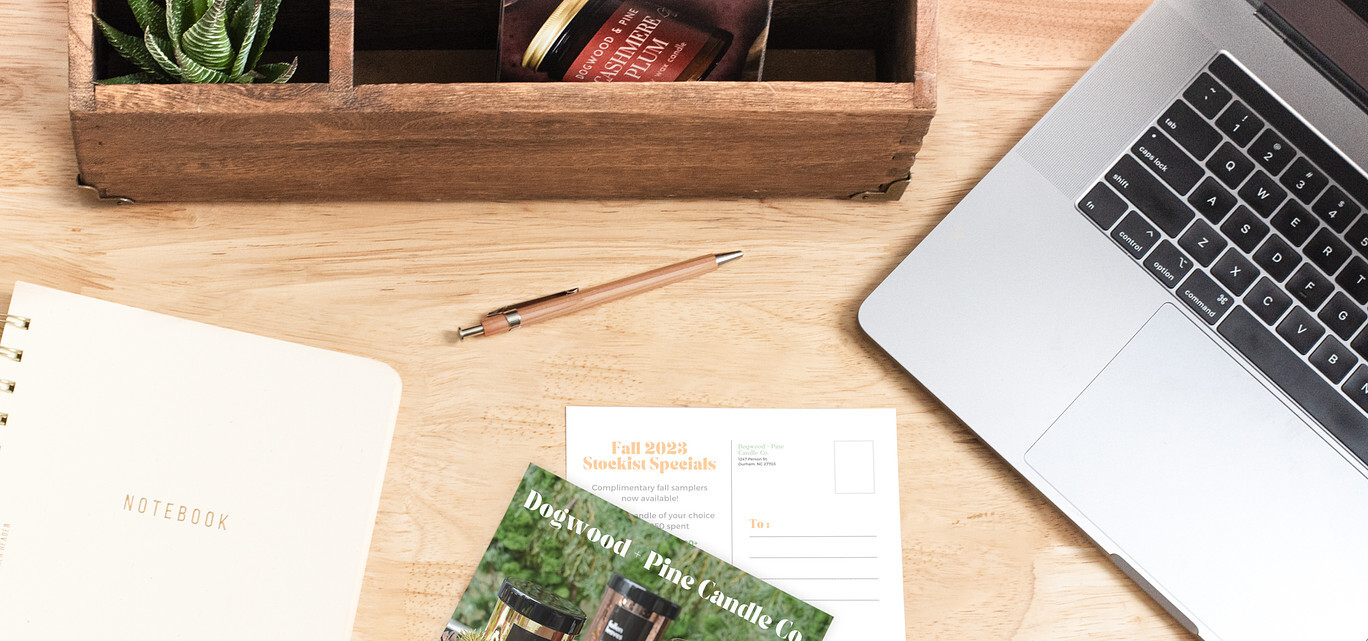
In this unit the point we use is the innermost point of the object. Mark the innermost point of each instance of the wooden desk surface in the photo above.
(985, 557)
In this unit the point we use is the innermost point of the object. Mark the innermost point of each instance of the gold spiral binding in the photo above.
(17, 321)
(15, 355)
(7, 386)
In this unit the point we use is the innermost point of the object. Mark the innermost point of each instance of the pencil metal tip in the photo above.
(723, 259)
(469, 332)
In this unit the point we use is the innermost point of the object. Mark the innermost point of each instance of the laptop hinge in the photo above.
(1302, 44)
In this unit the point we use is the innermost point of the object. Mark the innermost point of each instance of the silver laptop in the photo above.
(1154, 310)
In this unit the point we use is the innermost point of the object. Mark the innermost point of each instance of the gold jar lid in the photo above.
(546, 37)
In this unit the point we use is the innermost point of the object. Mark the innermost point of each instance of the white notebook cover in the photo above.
(285, 444)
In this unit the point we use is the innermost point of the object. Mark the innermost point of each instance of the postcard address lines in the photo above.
(821, 539)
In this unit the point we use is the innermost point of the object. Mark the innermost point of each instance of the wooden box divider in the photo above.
(331, 137)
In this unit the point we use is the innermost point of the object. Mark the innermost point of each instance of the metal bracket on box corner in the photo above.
(886, 193)
(82, 184)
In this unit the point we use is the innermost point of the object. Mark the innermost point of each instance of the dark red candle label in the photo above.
(641, 42)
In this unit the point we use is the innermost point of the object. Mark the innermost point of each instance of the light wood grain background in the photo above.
(985, 557)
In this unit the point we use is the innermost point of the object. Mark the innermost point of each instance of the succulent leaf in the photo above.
(179, 16)
(150, 15)
(207, 40)
(233, 6)
(277, 72)
(161, 51)
(195, 72)
(245, 26)
(142, 77)
(269, 9)
(130, 47)
(200, 7)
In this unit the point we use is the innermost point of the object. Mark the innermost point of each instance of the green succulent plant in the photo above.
(199, 41)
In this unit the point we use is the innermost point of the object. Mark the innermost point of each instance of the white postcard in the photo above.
(806, 500)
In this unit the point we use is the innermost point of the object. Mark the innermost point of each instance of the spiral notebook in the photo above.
(163, 479)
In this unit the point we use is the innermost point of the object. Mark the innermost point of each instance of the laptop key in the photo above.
(1189, 130)
(1304, 180)
(1235, 272)
(1326, 251)
(1300, 330)
(1167, 161)
(1150, 196)
(1268, 301)
(1296, 379)
(1295, 223)
(1103, 206)
(1309, 287)
(1135, 235)
(1212, 201)
(1203, 296)
(1357, 236)
(1272, 152)
(1202, 242)
(1245, 229)
(1360, 344)
(1207, 95)
(1230, 165)
(1277, 258)
(1240, 123)
(1336, 209)
(1333, 359)
(1168, 264)
(1263, 194)
(1357, 389)
(1354, 279)
(1342, 316)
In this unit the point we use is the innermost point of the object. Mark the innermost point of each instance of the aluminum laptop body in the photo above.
(1154, 310)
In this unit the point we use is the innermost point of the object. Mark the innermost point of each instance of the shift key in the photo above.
(1205, 297)
(1166, 160)
(1150, 196)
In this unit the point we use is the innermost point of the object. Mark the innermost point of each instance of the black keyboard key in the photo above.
(1235, 272)
(1212, 201)
(1135, 235)
(1263, 194)
(1354, 279)
(1304, 181)
(1268, 301)
(1272, 152)
(1333, 359)
(1342, 316)
(1230, 165)
(1168, 264)
(1300, 330)
(1299, 381)
(1151, 197)
(1336, 209)
(1103, 206)
(1205, 297)
(1326, 251)
(1188, 129)
(1309, 287)
(1207, 95)
(1240, 123)
(1158, 154)
(1245, 229)
(1295, 223)
(1277, 258)
(1357, 236)
(1202, 242)
(1357, 389)
(1360, 344)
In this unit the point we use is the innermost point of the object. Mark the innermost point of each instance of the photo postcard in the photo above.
(565, 565)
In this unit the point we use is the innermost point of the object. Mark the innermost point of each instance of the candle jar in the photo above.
(630, 612)
(527, 611)
(624, 41)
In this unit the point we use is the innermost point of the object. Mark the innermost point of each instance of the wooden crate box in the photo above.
(395, 100)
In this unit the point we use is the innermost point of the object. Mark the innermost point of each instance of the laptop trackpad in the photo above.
(1213, 487)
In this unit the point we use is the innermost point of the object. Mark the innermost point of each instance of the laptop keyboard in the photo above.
(1258, 226)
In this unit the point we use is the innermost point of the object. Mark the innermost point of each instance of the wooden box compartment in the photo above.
(395, 100)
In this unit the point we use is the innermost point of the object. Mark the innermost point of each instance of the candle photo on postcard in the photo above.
(632, 40)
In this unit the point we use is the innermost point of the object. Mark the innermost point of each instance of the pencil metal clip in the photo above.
(514, 307)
